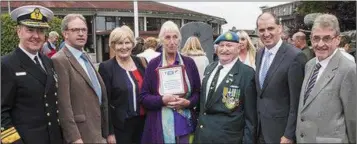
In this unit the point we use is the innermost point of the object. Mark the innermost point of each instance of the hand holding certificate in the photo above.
(172, 80)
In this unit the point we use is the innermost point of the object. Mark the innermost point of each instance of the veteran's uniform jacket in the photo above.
(28, 100)
(229, 116)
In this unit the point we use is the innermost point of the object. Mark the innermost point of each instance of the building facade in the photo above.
(104, 16)
(286, 13)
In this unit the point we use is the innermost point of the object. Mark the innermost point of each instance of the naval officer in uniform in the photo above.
(29, 83)
(228, 97)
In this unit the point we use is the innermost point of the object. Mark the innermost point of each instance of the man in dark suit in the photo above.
(82, 95)
(29, 84)
(279, 75)
(228, 97)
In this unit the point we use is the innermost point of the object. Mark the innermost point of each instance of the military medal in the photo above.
(231, 96)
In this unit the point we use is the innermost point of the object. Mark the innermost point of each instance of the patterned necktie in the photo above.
(38, 64)
(93, 77)
(265, 68)
(212, 87)
(312, 81)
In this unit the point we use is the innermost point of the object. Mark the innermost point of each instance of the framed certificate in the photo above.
(172, 80)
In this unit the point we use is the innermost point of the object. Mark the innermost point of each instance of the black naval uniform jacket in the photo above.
(29, 100)
(224, 121)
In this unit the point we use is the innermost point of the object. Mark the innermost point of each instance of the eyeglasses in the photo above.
(77, 30)
(325, 39)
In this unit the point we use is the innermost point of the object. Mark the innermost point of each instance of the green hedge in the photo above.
(9, 39)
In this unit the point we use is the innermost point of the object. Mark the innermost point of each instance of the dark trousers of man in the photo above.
(132, 132)
(260, 136)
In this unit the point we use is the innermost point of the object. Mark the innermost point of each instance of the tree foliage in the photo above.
(345, 11)
(9, 38)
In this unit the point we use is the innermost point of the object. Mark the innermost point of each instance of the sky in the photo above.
(242, 15)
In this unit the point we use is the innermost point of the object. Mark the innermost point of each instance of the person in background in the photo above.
(228, 97)
(279, 76)
(61, 45)
(247, 50)
(123, 77)
(82, 96)
(344, 48)
(170, 118)
(150, 46)
(49, 47)
(139, 47)
(29, 113)
(159, 47)
(327, 108)
(299, 41)
(215, 57)
(194, 50)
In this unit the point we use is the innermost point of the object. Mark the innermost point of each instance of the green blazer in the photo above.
(230, 115)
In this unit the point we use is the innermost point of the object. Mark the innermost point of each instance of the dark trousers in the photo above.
(260, 136)
(132, 132)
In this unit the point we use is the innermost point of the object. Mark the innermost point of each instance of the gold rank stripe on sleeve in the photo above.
(10, 135)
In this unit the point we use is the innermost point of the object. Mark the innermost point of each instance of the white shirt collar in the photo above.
(275, 49)
(325, 62)
(228, 66)
(77, 53)
(31, 56)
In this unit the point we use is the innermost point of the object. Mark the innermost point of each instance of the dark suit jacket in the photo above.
(81, 115)
(29, 99)
(220, 124)
(309, 53)
(114, 78)
(278, 99)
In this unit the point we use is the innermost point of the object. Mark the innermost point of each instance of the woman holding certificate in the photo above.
(123, 77)
(170, 92)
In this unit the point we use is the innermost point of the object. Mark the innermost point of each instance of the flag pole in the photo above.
(136, 19)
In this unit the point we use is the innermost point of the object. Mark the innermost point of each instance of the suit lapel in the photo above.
(28, 64)
(279, 57)
(49, 70)
(258, 64)
(77, 66)
(324, 79)
(226, 82)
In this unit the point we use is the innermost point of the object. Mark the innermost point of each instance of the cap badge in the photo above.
(36, 14)
(229, 36)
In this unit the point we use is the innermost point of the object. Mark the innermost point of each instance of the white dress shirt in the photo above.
(32, 57)
(224, 71)
(247, 61)
(323, 64)
(273, 51)
(77, 54)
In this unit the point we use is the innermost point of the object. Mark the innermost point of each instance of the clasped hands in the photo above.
(175, 101)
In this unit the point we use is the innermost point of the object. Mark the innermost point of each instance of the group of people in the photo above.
(272, 95)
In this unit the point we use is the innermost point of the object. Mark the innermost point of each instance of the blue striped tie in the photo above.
(312, 81)
(265, 68)
(93, 77)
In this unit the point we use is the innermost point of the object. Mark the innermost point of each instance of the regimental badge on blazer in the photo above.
(231, 96)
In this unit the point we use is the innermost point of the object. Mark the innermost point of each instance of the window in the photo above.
(187, 21)
(141, 24)
(154, 24)
(215, 28)
(100, 21)
(110, 23)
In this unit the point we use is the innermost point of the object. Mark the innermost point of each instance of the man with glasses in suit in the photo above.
(327, 108)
